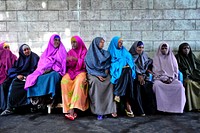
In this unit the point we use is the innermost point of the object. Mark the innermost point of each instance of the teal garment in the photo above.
(120, 57)
(46, 84)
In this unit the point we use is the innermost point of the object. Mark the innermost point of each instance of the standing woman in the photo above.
(189, 65)
(143, 81)
(122, 76)
(73, 83)
(98, 63)
(44, 82)
(169, 91)
(17, 96)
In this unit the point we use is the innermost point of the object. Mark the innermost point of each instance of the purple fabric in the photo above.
(165, 65)
(52, 59)
(76, 67)
(7, 59)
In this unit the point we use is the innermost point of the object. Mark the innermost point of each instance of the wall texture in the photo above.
(152, 21)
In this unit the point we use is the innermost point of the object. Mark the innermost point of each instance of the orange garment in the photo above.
(74, 92)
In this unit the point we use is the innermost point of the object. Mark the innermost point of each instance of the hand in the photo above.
(101, 78)
(141, 79)
(20, 77)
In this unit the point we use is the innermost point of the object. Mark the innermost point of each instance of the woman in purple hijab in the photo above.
(43, 84)
(169, 91)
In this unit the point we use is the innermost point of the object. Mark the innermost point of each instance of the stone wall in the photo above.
(152, 21)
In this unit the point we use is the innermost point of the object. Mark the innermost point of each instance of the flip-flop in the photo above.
(99, 117)
(6, 112)
(114, 115)
(70, 117)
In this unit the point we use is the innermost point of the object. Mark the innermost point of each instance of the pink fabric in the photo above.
(52, 59)
(165, 65)
(76, 67)
(7, 59)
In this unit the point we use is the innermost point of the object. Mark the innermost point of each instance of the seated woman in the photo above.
(143, 79)
(98, 63)
(122, 76)
(73, 83)
(189, 65)
(44, 83)
(12, 90)
(169, 91)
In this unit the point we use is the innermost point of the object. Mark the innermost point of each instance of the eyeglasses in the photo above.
(26, 49)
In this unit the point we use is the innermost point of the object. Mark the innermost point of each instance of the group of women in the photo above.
(110, 81)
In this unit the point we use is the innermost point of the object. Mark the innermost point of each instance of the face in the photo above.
(74, 44)
(140, 49)
(120, 43)
(27, 51)
(56, 42)
(101, 44)
(186, 50)
(164, 50)
(7, 47)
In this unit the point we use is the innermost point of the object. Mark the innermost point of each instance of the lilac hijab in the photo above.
(76, 67)
(165, 65)
(7, 59)
(52, 59)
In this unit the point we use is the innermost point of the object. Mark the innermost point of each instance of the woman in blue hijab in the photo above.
(122, 76)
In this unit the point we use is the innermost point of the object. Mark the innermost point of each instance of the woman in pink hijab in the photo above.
(43, 83)
(73, 84)
(169, 91)
(7, 59)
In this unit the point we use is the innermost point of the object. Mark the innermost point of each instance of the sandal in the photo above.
(69, 116)
(99, 117)
(117, 99)
(114, 115)
(129, 114)
(7, 112)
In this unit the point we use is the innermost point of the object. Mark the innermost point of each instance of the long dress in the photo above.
(170, 97)
(143, 64)
(101, 93)
(74, 90)
(189, 65)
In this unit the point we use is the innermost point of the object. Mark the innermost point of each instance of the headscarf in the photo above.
(142, 60)
(119, 58)
(5, 45)
(97, 60)
(189, 65)
(165, 65)
(76, 67)
(52, 59)
(25, 65)
(7, 59)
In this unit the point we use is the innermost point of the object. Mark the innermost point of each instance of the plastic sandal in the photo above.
(117, 99)
(7, 112)
(129, 114)
(70, 117)
(114, 115)
(100, 117)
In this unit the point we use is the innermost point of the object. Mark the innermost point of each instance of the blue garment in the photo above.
(25, 65)
(97, 60)
(120, 57)
(46, 84)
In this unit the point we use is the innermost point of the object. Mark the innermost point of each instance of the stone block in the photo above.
(173, 35)
(163, 4)
(108, 35)
(122, 4)
(57, 5)
(192, 14)
(101, 4)
(120, 25)
(90, 15)
(184, 24)
(141, 25)
(37, 4)
(88, 36)
(131, 14)
(85, 4)
(198, 24)
(95, 25)
(2, 26)
(16, 5)
(131, 35)
(2, 5)
(8, 36)
(142, 4)
(192, 35)
(74, 26)
(16, 26)
(27, 15)
(173, 14)
(28, 36)
(110, 15)
(68, 15)
(161, 25)
(48, 15)
(59, 26)
(151, 35)
(184, 4)
(37, 26)
(8, 16)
